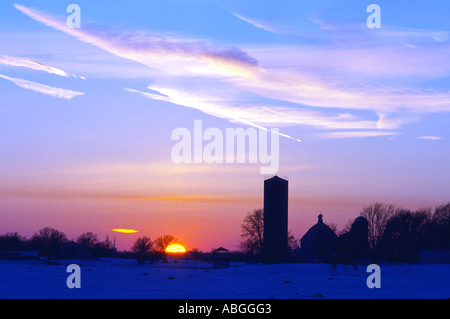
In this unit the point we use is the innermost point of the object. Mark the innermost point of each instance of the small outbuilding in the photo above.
(221, 258)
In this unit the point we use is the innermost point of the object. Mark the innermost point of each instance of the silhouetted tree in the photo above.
(377, 215)
(49, 241)
(252, 231)
(292, 242)
(441, 227)
(347, 228)
(142, 248)
(354, 242)
(162, 242)
(12, 241)
(103, 248)
(406, 232)
(87, 240)
(333, 226)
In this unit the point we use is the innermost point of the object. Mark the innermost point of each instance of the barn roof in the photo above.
(320, 230)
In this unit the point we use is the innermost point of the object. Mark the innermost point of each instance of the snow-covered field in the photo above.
(122, 278)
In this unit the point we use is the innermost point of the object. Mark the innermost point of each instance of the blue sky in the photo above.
(86, 114)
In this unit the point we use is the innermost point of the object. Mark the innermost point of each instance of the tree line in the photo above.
(146, 249)
(394, 234)
(397, 234)
(49, 242)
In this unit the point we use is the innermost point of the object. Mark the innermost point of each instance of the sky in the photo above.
(87, 114)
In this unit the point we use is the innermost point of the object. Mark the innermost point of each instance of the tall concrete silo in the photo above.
(275, 246)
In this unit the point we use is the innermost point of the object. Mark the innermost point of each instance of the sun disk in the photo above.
(175, 249)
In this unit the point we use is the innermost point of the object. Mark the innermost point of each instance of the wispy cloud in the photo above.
(282, 29)
(34, 65)
(257, 115)
(212, 106)
(387, 32)
(266, 26)
(172, 55)
(331, 78)
(430, 138)
(354, 134)
(44, 89)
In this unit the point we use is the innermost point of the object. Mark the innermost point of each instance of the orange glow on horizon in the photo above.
(175, 249)
(124, 231)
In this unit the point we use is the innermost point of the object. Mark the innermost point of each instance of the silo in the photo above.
(275, 247)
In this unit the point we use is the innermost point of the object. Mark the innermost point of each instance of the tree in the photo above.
(49, 241)
(347, 228)
(405, 233)
(377, 215)
(87, 240)
(162, 242)
(252, 231)
(332, 226)
(142, 248)
(292, 242)
(12, 241)
(103, 248)
(441, 227)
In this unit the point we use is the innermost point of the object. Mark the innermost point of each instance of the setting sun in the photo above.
(175, 249)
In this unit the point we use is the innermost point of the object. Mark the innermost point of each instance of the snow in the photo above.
(187, 279)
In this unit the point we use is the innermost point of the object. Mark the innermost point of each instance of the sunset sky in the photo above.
(86, 115)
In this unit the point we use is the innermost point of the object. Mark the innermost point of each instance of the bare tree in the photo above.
(49, 241)
(252, 230)
(441, 216)
(441, 226)
(346, 229)
(162, 242)
(332, 226)
(377, 215)
(292, 242)
(87, 240)
(12, 241)
(142, 248)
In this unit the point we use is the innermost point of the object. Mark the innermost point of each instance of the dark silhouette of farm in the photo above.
(380, 232)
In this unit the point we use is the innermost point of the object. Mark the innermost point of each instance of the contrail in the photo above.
(227, 116)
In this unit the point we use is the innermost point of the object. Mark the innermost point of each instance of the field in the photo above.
(124, 278)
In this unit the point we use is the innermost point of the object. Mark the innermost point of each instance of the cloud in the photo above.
(191, 58)
(34, 65)
(355, 134)
(430, 138)
(211, 106)
(124, 230)
(337, 80)
(266, 26)
(172, 55)
(257, 115)
(44, 89)
(387, 32)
